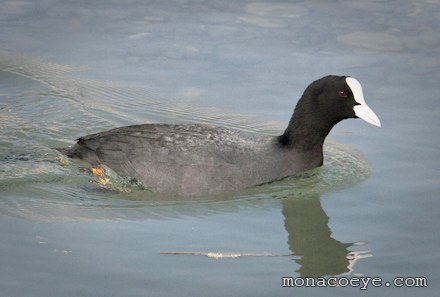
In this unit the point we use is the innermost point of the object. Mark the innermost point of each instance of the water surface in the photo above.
(69, 69)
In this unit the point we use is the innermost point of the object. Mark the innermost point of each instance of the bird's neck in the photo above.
(305, 133)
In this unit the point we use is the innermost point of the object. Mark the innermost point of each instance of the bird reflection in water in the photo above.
(309, 238)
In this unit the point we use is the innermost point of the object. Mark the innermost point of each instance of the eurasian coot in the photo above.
(198, 159)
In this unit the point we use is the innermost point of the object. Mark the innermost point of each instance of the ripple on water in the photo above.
(271, 15)
(380, 41)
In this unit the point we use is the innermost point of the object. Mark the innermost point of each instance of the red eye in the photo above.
(342, 94)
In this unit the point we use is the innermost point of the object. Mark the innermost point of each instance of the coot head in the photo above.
(324, 103)
(335, 98)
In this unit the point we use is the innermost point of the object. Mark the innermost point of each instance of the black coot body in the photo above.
(196, 159)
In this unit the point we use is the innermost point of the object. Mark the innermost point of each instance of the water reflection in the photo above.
(310, 239)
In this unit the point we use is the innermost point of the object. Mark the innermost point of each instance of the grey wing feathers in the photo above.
(161, 141)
